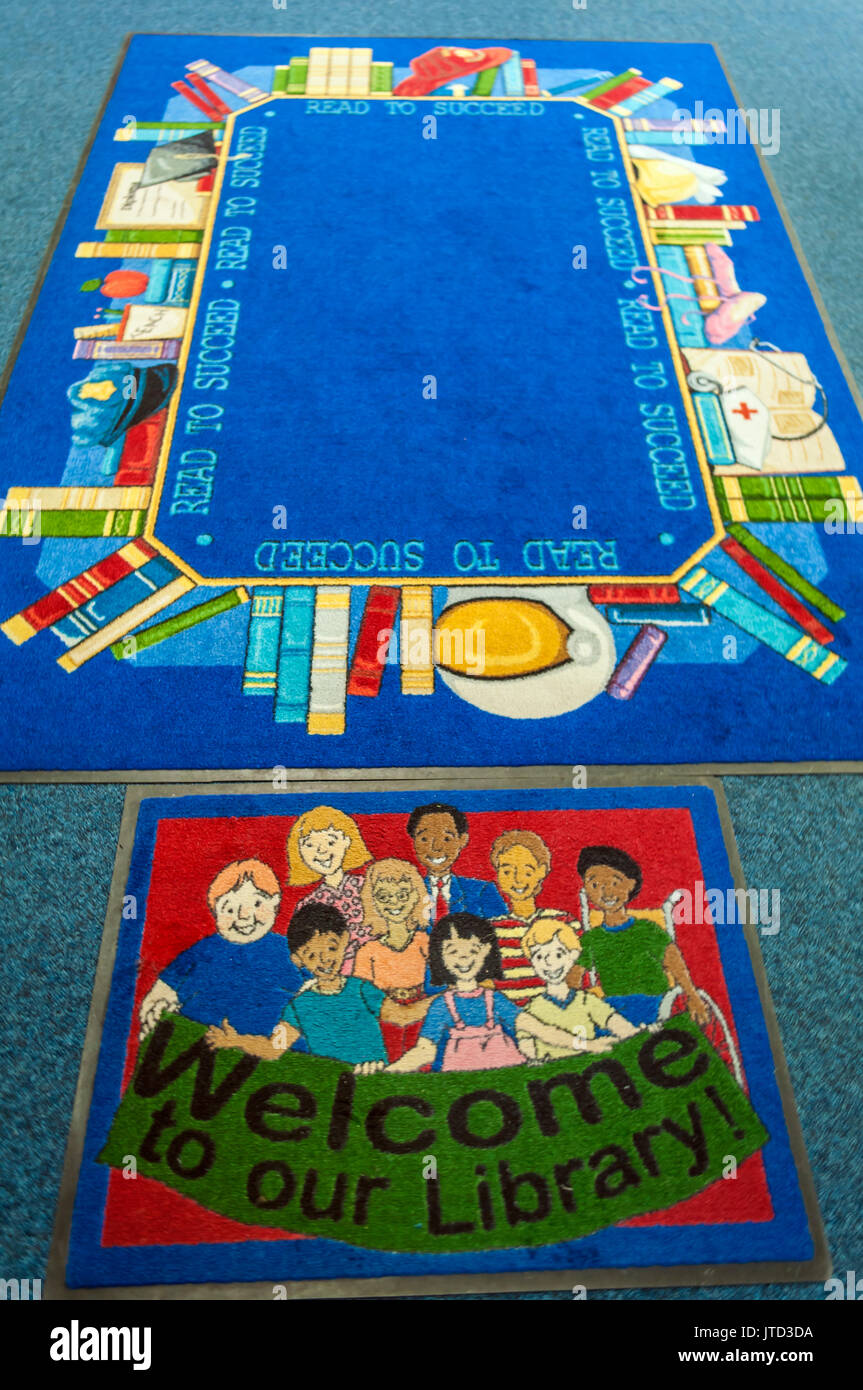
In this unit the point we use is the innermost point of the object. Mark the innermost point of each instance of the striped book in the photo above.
(530, 77)
(298, 70)
(181, 622)
(789, 498)
(319, 67)
(91, 617)
(337, 72)
(114, 350)
(513, 77)
(154, 236)
(280, 78)
(96, 330)
(181, 284)
(213, 110)
(693, 225)
(656, 91)
(328, 682)
(295, 656)
(666, 235)
(633, 593)
(381, 77)
(703, 283)
(714, 431)
(680, 135)
(714, 123)
(162, 586)
(376, 634)
(627, 89)
(775, 589)
(602, 88)
(685, 317)
(709, 212)
(360, 72)
(206, 93)
(784, 570)
(237, 86)
(85, 499)
(164, 132)
(260, 667)
(80, 589)
(659, 615)
(126, 250)
(415, 640)
(776, 633)
(72, 524)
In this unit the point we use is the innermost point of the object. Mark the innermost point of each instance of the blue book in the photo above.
(160, 275)
(714, 431)
(182, 280)
(669, 137)
(690, 333)
(119, 598)
(295, 656)
(513, 77)
(262, 645)
(660, 614)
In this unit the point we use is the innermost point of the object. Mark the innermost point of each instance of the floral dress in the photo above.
(347, 899)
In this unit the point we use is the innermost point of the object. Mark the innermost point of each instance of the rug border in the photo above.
(162, 776)
(815, 1270)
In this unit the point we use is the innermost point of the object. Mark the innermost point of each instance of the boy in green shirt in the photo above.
(635, 959)
(554, 948)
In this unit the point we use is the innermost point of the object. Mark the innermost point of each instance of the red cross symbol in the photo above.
(746, 411)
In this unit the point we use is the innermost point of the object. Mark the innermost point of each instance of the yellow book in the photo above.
(415, 640)
(114, 631)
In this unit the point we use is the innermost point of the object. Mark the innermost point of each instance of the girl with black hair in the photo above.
(470, 1026)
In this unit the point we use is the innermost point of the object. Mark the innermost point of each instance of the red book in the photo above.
(787, 601)
(633, 593)
(606, 100)
(211, 97)
(379, 616)
(137, 467)
(696, 212)
(530, 76)
(50, 608)
(210, 111)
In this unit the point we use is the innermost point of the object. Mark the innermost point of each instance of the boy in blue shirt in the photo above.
(333, 1015)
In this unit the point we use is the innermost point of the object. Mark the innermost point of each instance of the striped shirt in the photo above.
(520, 982)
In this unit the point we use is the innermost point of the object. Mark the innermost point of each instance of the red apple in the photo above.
(124, 284)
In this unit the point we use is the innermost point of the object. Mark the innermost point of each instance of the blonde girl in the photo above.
(324, 845)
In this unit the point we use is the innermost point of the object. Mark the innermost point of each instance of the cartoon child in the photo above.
(634, 958)
(469, 1027)
(322, 846)
(521, 862)
(397, 908)
(554, 948)
(334, 1014)
(243, 967)
(440, 833)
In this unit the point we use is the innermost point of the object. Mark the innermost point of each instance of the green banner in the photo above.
(442, 1162)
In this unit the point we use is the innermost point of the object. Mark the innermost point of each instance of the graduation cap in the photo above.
(181, 159)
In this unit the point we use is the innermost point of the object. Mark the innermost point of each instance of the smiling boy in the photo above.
(440, 833)
(243, 967)
(635, 959)
(554, 949)
(335, 1015)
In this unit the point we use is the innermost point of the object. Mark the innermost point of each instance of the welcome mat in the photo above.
(366, 1042)
(389, 395)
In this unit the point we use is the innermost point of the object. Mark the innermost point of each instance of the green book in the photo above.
(780, 498)
(609, 83)
(298, 70)
(280, 78)
(381, 77)
(201, 613)
(151, 236)
(668, 236)
(786, 572)
(73, 523)
(179, 125)
(484, 85)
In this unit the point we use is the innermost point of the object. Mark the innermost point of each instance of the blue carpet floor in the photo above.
(798, 834)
